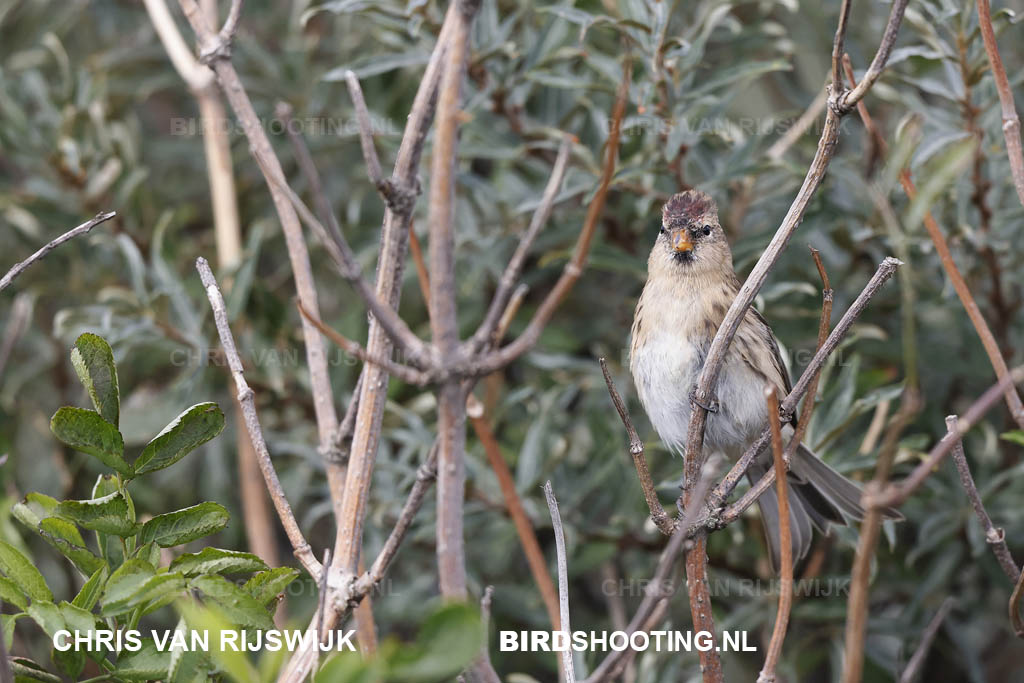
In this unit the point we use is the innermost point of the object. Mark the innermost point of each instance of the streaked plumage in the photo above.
(690, 286)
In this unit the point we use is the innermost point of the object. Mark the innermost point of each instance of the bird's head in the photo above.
(691, 239)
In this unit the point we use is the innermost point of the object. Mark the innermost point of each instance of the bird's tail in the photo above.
(818, 496)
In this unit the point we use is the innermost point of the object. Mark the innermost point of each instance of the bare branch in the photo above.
(17, 321)
(994, 536)
(1014, 606)
(227, 32)
(846, 101)
(767, 674)
(963, 291)
(197, 76)
(252, 423)
(910, 673)
(402, 372)
(574, 268)
(515, 264)
(563, 580)
(18, 268)
(1011, 122)
(636, 450)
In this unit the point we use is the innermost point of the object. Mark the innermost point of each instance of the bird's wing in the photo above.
(773, 344)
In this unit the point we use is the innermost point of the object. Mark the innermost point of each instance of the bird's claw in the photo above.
(711, 406)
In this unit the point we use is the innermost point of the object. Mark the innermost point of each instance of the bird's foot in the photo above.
(711, 406)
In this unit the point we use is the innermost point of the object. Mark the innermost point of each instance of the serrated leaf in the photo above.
(123, 584)
(217, 561)
(65, 537)
(23, 668)
(11, 594)
(146, 663)
(185, 433)
(182, 526)
(154, 592)
(18, 569)
(237, 604)
(87, 431)
(47, 615)
(110, 514)
(92, 589)
(266, 586)
(94, 363)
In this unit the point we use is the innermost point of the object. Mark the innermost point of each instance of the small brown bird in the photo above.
(690, 286)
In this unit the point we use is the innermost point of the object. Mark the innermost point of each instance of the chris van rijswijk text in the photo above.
(202, 641)
(602, 641)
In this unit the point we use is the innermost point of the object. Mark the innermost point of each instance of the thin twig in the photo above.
(963, 291)
(252, 423)
(18, 268)
(1014, 606)
(422, 274)
(897, 493)
(574, 268)
(823, 328)
(17, 321)
(767, 674)
(515, 264)
(1011, 122)
(636, 450)
(994, 536)
(917, 660)
(402, 372)
(563, 580)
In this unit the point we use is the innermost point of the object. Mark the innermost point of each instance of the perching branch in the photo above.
(994, 536)
(917, 660)
(252, 423)
(767, 674)
(18, 268)
(1011, 122)
(563, 580)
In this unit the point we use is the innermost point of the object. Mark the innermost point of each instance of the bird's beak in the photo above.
(681, 243)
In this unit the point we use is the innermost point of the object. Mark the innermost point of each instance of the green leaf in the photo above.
(129, 578)
(110, 514)
(210, 619)
(47, 615)
(1016, 436)
(86, 431)
(65, 537)
(72, 661)
(217, 561)
(9, 622)
(11, 594)
(448, 641)
(27, 669)
(92, 589)
(18, 569)
(188, 431)
(34, 508)
(348, 667)
(146, 663)
(94, 362)
(182, 526)
(266, 586)
(236, 604)
(156, 592)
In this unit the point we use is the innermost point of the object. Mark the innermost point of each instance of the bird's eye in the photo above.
(706, 230)
(661, 230)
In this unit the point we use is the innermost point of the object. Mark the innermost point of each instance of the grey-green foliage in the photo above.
(90, 108)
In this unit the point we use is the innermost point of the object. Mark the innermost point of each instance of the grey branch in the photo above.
(252, 423)
(563, 579)
(917, 660)
(18, 268)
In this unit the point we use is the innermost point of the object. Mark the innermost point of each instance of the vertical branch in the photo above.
(994, 535)
(909, 674)
(451, 413)
(1011, 122)
(823, 328)
(563, 580)
(767, 674)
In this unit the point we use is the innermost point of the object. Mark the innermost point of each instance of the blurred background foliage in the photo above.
(94, 117)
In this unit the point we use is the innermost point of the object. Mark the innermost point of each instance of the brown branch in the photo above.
(18, 268)
(402, 372)
(896, 493)
(636, 450)
(1014, 606)
(343, 435)
(422, 274)
(994, 536)
(1011, 122)
(563, 580)
(823, 328)
(857, 603)
(988, 340)
(917, 660)
(252, 423)
(515, 264)
(767, 674)
(521, 521)
(17, 322)
(451, 411)
(574, 268)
